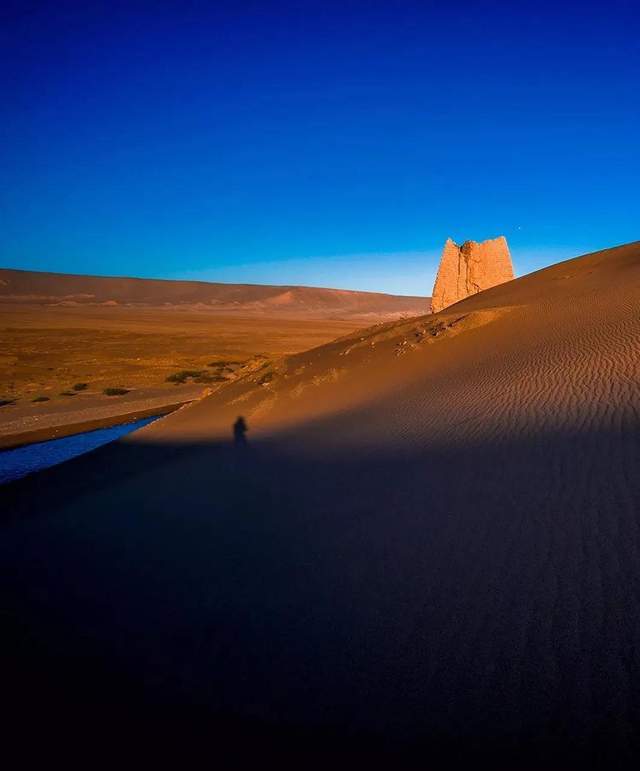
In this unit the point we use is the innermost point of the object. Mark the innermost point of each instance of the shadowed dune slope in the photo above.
(39, 288)
(429, 546)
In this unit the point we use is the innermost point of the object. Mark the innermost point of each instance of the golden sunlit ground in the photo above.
(46, 351)
(64, 369)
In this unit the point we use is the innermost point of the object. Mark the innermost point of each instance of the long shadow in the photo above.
(451, 607)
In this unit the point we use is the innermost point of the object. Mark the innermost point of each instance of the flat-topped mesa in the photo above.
(470, 268)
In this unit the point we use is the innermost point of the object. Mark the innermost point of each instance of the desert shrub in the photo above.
(184, 375)
(115, 391)
(80, 386)
(41, 399)
(67, 393)
(224, 364)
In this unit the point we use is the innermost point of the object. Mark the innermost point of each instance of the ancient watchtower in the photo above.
(470, 268)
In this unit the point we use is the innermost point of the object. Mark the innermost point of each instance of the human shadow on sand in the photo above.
(240, 429)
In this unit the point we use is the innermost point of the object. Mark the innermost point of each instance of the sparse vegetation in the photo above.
(81, 347)
(80, 386)
(202, 376)
(224, 364)
(4, 402)
(41, 399)
(115, 391)
(184, 375)
(67, 393)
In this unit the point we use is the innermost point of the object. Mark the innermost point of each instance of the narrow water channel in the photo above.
(34, 457)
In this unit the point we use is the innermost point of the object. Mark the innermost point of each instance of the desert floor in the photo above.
(424, 552)
(48, 350)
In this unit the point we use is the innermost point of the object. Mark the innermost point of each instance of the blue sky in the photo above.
(321, 143)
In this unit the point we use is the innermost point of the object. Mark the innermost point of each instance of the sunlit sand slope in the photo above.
(430, 544)
(555, 351)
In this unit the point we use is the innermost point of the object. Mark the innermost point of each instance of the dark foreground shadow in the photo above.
(437, 609)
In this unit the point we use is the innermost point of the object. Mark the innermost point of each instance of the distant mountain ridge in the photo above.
(41, 288)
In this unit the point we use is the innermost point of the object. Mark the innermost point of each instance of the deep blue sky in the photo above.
(327, 143)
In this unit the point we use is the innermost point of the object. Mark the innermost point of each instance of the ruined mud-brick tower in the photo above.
(470, 268)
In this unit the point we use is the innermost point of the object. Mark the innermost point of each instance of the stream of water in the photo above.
(34, 457)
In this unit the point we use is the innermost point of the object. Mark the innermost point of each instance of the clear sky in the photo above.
(323, 143)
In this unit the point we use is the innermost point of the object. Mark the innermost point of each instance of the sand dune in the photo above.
(429, 546)
(555, 350)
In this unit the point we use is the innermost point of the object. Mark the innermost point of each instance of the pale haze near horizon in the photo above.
(402, 273)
